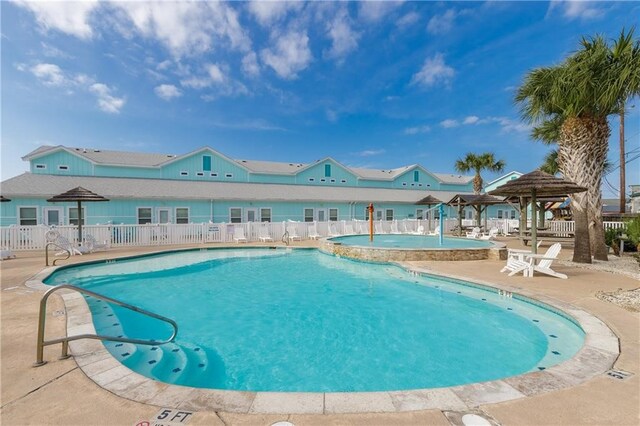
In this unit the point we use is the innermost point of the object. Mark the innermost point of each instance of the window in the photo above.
(413, 184)
(182, 215)
(419, 184)
(311, 180)
(343, 181)
(265, 214)
(41, 166)
(500, 215)
(323, 180)
(62, 167)
(73, 216)
(144, 215)
(184, 173)
(327, 170)
(206, 163)
(419, 214)
(333, 181)
(378, 214)
(308, 215)
(389, 214)
(513, 214)
(28, 216)
(200, 174)
(333, 215)
(235, 215)
(366, 213)
(214, 175)
(416, 176)
(228, 175)
(404, 183)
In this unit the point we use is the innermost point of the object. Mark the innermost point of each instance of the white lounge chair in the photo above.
(491, 235)
(313, 232)
(292, 229)
(405, 228)
(419, 231)
(6, 253)
(238, 235)
(379, 228)
(263, 234)
(333, 232)
(435, 232)
(66, 245)
(475, 233)
(515, 257)
(348, 229)
(93, 245)
(394, 227)
(538, 262)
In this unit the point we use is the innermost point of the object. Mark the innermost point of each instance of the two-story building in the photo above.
(205, 185)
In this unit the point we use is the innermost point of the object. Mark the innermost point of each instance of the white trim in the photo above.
(45, 218)
(386, 216)
(176, 213)
(83, 218)
(138, 214)
(256, 214)
(184, 172)
(270, 214)
(241, 214)
(19, 219)
(40, 166)
(304, 214)
(199, 173)
(337, 214)
(163, 209)
(63, 167)
(228, 175)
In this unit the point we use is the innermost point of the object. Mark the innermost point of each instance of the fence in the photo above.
(33, 237)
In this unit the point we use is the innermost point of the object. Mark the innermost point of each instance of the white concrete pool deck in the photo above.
(589, 396)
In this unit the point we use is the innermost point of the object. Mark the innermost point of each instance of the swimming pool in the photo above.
(275, 320)
(407, 241)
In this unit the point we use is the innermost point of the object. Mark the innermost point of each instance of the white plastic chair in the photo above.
(313, 232)
(394, 227)
(93, 245)
(491, 235)
(238, 235)
(435, 232)
(475, 233)
(263, 234)
(542, 262)
(419, 231)
(292, 229)
(333, 232)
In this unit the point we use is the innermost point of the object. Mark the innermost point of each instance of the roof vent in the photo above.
(244, 161)
(96, 150)
(291, 164)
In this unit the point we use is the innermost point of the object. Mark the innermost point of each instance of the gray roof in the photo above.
(101, 156)
(271, 166)
(453, 179)
(388, 174)
(45, 186)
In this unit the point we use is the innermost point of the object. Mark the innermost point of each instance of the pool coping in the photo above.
(597, 355)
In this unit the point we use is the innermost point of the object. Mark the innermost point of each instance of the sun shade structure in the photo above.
(479, 202)
(429, 201)
(533, 185)
(78, 195)
(3, 200)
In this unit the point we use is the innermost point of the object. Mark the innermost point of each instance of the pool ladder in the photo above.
(65, 340)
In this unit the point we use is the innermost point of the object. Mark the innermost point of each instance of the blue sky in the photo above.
(371, 84)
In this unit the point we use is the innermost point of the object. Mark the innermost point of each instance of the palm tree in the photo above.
(478, 163)
(550, 164)
(577, 96)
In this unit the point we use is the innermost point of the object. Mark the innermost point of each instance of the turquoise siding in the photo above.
(504, 179)
(425, 180)
(375, 183)
(75, 164)
(134, 172)
(265, 178)
(193, 165)
(317, 173)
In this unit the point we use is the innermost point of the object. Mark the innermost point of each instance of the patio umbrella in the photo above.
(78, 195)
(533, 185)
(429, 201)
(3, 200)
(479, 202)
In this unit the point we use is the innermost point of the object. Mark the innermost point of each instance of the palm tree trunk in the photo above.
(582, 152)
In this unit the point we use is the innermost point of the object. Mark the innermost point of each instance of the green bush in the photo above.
(612, 239)
(633, 231)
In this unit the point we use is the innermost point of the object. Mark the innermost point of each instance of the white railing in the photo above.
(33, 237)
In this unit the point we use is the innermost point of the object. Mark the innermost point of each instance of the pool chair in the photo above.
(313, 232)
(475, 233)
(238, 235)
(64, 244)
(394, 227)
(348, 229)
(515, 257)
(379, 228)
(333, 232)
(436, 231)
(491, 235)
(419, 231)
(263, 234)
(528, 263)
(292, 229)
(93, 245)
(6, 253)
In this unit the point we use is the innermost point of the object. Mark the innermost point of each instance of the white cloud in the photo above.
(371, 152)
(344, 39)
(408, 20)
(571, 10)
(416, 130)
(68, 17)
(167, 92)
(250, 64)
(290, 55)
(373, 11)
(164, 65)
(53, 52)
(214, 76)
(268, 12)
(49, 74)
(332, 115)
(449, 123)
(215, 73)
(440, 24)
(106, 101)
(433, 70)
(472, 119)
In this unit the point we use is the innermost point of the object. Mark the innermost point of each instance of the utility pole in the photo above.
(623, 200)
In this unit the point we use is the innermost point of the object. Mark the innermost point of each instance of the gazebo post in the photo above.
(459, 218)
(534, 222)
(523, 216)
(486, 218)
(429, 214)
(543, 211)
(79, 223)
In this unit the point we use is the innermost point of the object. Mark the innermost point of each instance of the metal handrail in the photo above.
(46, 253)
(285, 237)
(65, 340)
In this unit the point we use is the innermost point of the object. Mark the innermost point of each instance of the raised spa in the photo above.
(301, 320)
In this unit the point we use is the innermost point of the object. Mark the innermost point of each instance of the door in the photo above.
(321, 215)
(52, 216)
(164, 216)
(252, 215)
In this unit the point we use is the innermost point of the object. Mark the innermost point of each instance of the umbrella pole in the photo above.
(534, 223)
(79, 223)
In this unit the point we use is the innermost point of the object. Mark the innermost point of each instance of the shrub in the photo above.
(633, 232)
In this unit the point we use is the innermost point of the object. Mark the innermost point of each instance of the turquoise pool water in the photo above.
(301, 320)
(411, 241)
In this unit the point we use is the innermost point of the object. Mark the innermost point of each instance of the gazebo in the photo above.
(479, 202)
(79, 195)
(429, 201)
(533, 186)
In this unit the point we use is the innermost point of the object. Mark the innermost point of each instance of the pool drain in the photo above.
(470, 418)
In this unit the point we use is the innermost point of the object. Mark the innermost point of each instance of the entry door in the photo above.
(252, 215)
(53, 216)
(164, 216)
(321, 215)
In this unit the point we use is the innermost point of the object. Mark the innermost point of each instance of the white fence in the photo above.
(33, 237)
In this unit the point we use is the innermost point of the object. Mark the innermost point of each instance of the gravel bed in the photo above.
(627, 299)
(625, 265)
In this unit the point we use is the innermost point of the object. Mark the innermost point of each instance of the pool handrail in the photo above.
(65, 340)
